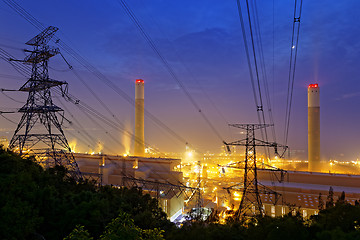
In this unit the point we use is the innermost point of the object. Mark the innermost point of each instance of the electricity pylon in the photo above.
(250, 203)
(39, 131)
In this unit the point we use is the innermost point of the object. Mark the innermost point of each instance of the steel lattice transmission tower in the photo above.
(39, 131)
(251, 189)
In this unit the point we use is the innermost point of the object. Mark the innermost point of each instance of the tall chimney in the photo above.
(139, 119)
(314, 128)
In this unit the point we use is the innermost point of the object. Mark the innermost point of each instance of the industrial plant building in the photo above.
(156, 176)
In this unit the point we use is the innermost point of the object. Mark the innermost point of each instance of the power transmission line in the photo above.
(86, 109)
(8, 119)
(33, 21)
(256, 86)
(264, 72)
(293, 56)
(192, 75)
(167, 66)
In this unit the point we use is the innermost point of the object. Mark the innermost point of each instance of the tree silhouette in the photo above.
(341, 198)
(321, 202)
(330, 198)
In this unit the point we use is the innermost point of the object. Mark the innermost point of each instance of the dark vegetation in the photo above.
(38, 204)
(46, 204)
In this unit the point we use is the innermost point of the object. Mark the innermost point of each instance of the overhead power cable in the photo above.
(256, 86)
(20, 68)
(85, 135)
(17, 8)
(11, 98)
(86, 109)
(167, 66)
(8, 119)
(94, 113)
(263, 68)
(192, 76)
(33, 21)
(117, 90)
(247, 52)
(260, 108)
(96, 97)
(293, 55)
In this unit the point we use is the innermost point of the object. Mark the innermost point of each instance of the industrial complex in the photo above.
(304, 185)
(251, 176)
(215, 182)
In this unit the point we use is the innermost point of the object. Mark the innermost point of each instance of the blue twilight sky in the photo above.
(202, 42)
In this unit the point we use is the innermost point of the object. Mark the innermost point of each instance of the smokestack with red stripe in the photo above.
(314, 128)
(139, 149)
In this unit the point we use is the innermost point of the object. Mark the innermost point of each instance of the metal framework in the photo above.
(39, 131)
(250, 203)
(199, 200)
(161, 189)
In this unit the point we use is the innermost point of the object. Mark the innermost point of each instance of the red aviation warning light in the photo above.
(313, 85)
(139, 81)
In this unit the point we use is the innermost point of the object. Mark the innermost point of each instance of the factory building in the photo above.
(141, 172)
(302, 189)
(299, 192)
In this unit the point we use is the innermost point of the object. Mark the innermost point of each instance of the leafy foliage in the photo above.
(344, 216)
(286, 227)
(123, 228)
(79, 233)
(36, 202)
